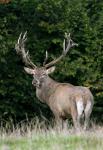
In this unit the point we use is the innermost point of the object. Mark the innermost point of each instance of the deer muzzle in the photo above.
(36, 83)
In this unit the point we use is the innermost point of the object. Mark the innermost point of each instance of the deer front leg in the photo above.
(59, 122)
(59, 119)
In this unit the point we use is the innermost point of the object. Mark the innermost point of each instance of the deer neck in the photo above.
(46, 89)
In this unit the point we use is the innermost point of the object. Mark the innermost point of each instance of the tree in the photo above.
(46, 21)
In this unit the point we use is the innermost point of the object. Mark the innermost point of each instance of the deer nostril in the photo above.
(33, 82)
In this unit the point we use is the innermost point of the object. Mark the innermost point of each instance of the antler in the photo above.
(67, 44)
(46, 58)
(20, 49)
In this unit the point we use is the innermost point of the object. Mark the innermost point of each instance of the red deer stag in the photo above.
(63, 98)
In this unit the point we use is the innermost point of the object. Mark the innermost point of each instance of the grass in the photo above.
(38, 137)
(52, 143)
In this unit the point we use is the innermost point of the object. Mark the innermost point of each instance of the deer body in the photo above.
(64, 99)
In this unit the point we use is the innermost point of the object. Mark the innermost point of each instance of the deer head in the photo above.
(40, 73)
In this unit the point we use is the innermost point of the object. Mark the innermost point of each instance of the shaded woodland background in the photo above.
(46, 21)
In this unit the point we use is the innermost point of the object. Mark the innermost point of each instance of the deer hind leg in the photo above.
(80, 109)
(87, 112)
(74, 115)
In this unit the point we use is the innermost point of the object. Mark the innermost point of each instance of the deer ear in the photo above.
(50, 70)
(29, 71)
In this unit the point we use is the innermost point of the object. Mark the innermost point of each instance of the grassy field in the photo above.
(26, 137)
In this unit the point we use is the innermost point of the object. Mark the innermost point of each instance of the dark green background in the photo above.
(46, 21)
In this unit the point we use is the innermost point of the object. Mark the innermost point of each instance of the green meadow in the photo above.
(52, 139)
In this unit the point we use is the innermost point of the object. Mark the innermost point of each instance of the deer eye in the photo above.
(43, 75)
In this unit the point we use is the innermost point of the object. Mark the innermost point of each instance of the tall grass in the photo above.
(36, 135)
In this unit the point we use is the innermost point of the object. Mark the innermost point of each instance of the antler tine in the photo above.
(64, 45)
(20, 49)
(25, 36)
(19, 38)
(67, 44)
(46, 58)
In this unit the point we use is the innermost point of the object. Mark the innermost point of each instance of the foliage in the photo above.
(46, 21)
